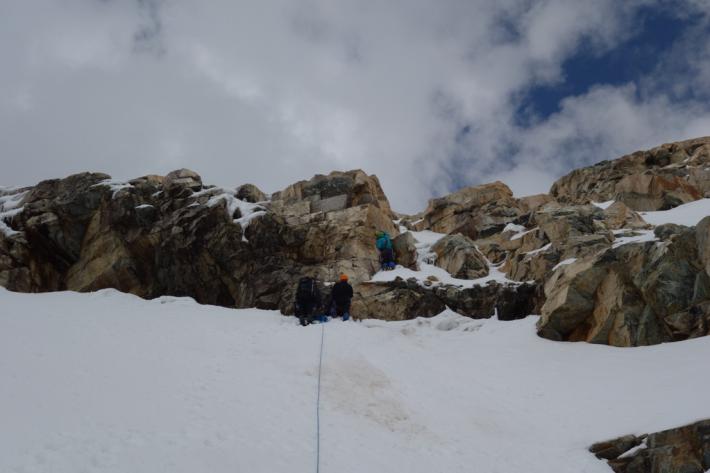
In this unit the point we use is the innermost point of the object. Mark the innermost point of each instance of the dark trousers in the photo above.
(386, 256)
(341, 308)
(305, 311)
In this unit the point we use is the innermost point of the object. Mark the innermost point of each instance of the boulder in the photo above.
(459, 256)
(561, 223)
(150, 180)
(336, 191)
(182, 179)
(679, 450)
(532, 203)
(250, 193)
(611, 449)
(476, 212)
(619, 215)
(667, 231)
(405, 250)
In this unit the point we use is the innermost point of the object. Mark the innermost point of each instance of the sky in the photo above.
(430, 96)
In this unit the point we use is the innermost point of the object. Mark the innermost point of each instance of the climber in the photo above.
(308, 300)
(341, 295)
(384, 245)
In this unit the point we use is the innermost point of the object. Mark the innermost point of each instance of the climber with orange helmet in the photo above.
(341, 295)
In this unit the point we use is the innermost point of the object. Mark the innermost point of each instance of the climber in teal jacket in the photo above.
(384, 245)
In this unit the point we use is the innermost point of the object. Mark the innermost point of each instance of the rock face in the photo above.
(657, 179)
(681, 450)
(171, 236)
(551, 254)
(635, 294)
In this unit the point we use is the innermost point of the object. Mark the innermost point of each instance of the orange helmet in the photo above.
(343, 277)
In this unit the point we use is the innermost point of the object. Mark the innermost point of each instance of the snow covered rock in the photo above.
(680, 450)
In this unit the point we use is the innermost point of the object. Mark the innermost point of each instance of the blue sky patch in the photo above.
(630, 61)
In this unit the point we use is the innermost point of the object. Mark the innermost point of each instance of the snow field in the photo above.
(107, 382)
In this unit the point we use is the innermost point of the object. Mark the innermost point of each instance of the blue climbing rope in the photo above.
(320, 367)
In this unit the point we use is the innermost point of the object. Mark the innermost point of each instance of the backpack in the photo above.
(384, 242)
(306, 289)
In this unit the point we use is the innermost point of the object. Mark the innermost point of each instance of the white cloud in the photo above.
(275, 91)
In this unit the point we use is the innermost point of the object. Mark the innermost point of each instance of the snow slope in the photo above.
(687, 214)
(107, 382)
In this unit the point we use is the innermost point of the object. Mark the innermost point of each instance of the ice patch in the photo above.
(564, 263)
(604, 205)
(539, 250)
(247, 210)
(642, 236)
(9, 208)
(517, 236)
(114, 186)
(642, 446)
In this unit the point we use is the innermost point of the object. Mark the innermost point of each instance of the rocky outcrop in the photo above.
(562, 234)
(459, 256)
(402, 300)
(174, 236)
(634, 294)
(657, 179)
(336, 191)
(394, 301)
(680, 450)
(475, 212)
(182, 179)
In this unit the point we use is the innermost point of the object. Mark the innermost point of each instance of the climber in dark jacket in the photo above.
(341, 295)
(308, 300)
